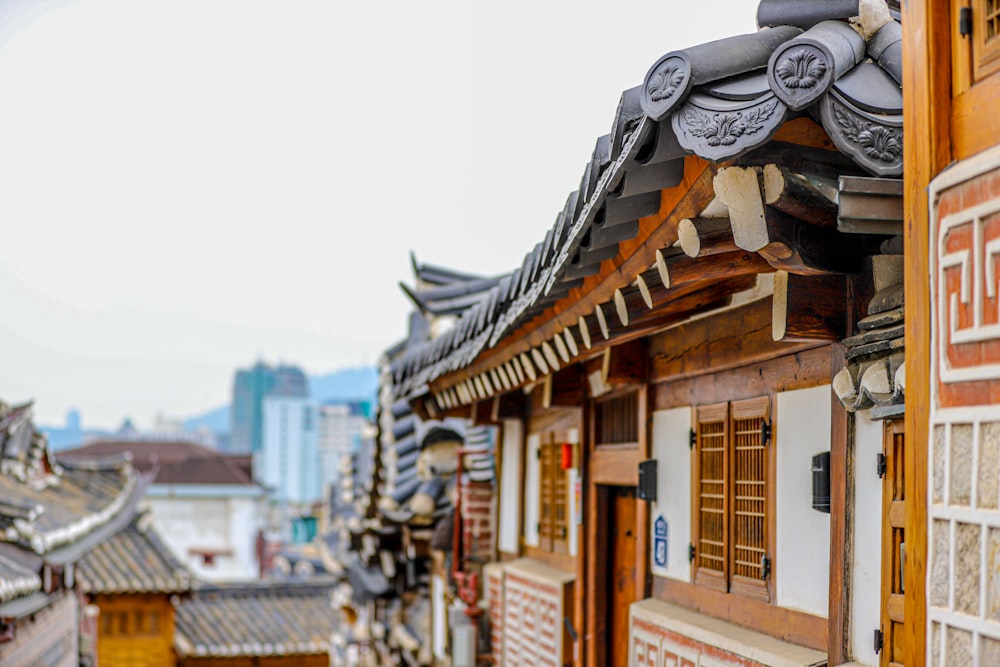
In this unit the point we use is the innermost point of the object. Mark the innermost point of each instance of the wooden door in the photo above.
(622, 571)
(893, 547)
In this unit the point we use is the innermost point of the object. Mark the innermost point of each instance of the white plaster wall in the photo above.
(531, 490)
(222, 524)
(510, 486)
(802, 561)
(672, 450)
(866, 576)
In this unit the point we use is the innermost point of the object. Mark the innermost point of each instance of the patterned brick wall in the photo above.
(478, 530)
(662, 635)
(653, 645)
(533, 611)
(964, 530)
(494, 576)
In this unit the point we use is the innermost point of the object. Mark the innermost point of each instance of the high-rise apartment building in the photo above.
(288, 462)
(250, 388)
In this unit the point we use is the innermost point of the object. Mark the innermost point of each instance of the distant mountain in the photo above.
(350, 384)
(216, 420)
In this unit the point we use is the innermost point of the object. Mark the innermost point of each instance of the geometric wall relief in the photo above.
(963, 532)
(966, 299)
(532, 617)
(662, 635)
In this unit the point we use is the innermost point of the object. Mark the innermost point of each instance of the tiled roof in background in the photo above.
(177, 462)
(255, 620)
(134, 560)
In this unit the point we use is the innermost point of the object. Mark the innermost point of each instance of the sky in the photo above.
(188, 186)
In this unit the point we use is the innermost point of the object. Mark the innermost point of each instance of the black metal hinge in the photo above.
(538, 453)
(765, 568)
(690, 552)
(878, 641)
(694, 438)
(965, 21)
(880, 465)
(765, 432)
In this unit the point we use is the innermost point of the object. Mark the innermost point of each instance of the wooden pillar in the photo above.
(926, 150)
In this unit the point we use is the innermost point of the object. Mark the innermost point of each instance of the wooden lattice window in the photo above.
(617, 420)
(733, 497)
(553, 511)
(985, 37)
(711, 482)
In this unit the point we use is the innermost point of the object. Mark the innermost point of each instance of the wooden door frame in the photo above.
(604, 468)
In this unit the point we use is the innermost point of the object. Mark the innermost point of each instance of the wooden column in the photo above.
(926, 150)
(841, 521)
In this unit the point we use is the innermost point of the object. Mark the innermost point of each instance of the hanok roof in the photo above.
(176, 462)
(79, 502)
(255, 621)
(16, 580)
(728, 101)
(134, 560)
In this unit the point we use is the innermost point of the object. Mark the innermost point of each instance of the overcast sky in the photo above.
(188, 185)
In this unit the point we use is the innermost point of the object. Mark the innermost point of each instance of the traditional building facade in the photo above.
(708, 450)
(129, 580)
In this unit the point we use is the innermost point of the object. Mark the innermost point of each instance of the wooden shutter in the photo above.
(711, 482)
(749, 532)
(546, 493)
(893, 546)
(560, 507)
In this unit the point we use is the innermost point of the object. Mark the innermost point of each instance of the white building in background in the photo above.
(340, 429)
(289, 464)
(206, 506)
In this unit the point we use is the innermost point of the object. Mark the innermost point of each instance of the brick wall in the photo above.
(531, 619)
(663, 635)
(494, 576)
(478, 530)
(964, 452)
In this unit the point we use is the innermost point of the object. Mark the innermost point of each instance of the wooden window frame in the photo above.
(985, 51)
(553, 496)
(623, 407)
(739, 457)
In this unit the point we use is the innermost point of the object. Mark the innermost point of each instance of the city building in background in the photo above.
(288, 463)
(250, 388)
(340, 428)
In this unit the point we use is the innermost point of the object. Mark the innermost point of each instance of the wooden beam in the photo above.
(794, 195)
(926, 151)
(806, 308)
(700, 237)
(727, 340)
(786, 242)
(683, 270)
(567, 387)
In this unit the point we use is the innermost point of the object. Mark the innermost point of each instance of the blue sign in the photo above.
(660, 541)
